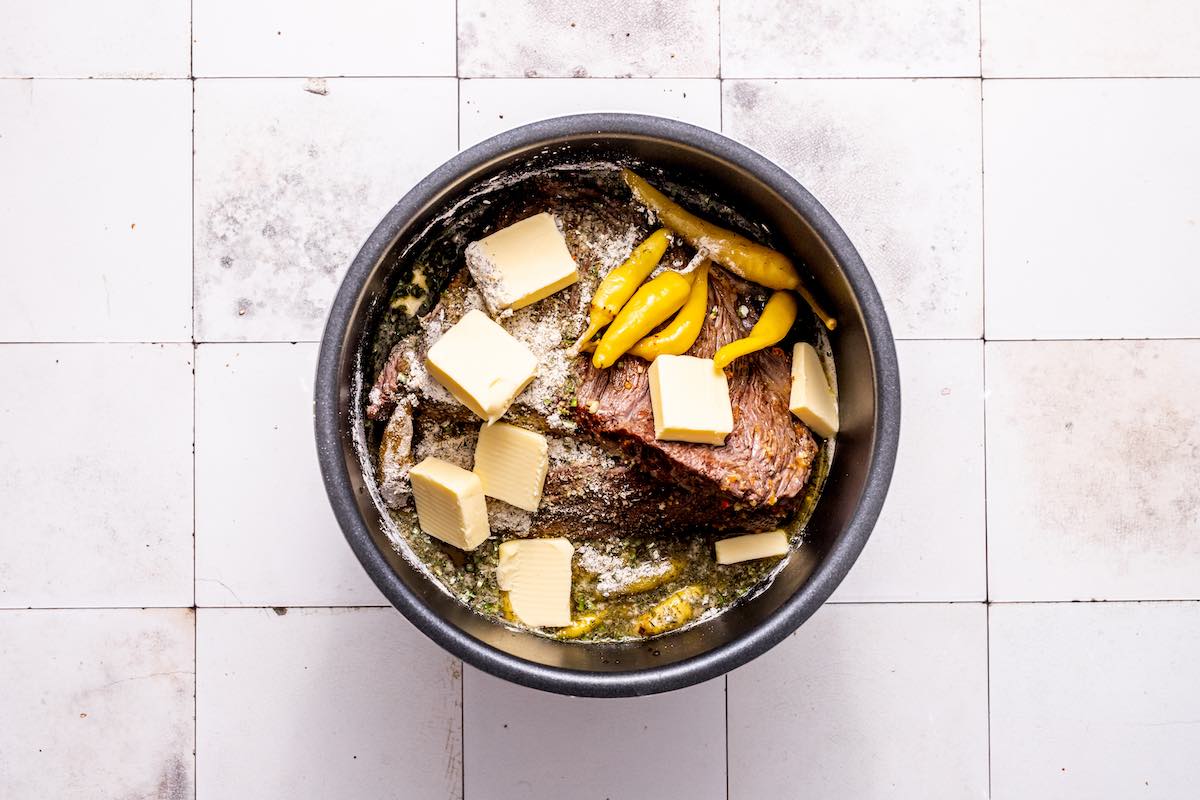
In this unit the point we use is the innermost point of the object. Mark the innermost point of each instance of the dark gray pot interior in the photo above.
(854, 492)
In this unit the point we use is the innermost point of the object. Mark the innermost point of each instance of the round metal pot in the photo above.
(869, 396)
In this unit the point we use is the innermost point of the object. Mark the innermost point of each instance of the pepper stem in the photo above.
(592, 330)
(823, 315)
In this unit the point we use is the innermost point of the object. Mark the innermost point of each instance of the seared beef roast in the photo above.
(631, 483)
(594, 501)
(768, 456)
(628, 483)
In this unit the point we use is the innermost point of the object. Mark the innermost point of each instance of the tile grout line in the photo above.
(987, 592)
(987, 671)
(359, 606)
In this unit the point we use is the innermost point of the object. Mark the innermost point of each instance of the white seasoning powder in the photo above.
(613, 574)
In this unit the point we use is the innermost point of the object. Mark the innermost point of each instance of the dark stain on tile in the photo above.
(175, 782)
(745, 96)
(279, 236)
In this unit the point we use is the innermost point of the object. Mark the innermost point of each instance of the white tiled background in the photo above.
(179, 616)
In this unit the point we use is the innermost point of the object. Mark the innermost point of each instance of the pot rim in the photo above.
(751, 643)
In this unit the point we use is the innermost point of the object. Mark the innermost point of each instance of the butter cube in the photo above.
(512, 462)
(450, 504)
(481, 365)
(536, 573)
(812, 400)
(521, 264)
(752, 546)
(690, 399)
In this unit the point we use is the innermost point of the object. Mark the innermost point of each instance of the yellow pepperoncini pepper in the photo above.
(773, 325)
(620, 284)
(671, 612)
(750, 260)
(646, 310)
(581, 625)
(676, 338)
(506, 609)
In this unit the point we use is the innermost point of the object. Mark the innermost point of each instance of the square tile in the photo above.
(1093, 210)
(589, 38)
(1101, 38)
(831, 39)
(492, 105)
(265, 534)
(866, 701)
(319, 703)
(81, 38)
(99, 513)
(1093, 449)
(317, 37)
(929, 543)
(96, 198)
(521, 743)
(291, 178)
(1095, 700)
(97, 703)
(898, 164)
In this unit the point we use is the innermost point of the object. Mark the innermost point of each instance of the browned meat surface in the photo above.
(381, 401)
(589, 492)
(595, 501)
(768, 456)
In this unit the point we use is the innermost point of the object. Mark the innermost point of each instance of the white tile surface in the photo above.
(898, 165)
(929, 541)
(323, 703)
(521, 743)
(290, 183)
(96, 202)
(1091, 38)
(1093, 450)
(81, 38)
(832, 39)
(489, 106)
(589, 38)
(97, 704)
(865, 701)
(1093, 208)
(265, 535)
(1092, 700)
(96, 495)
(323, 37)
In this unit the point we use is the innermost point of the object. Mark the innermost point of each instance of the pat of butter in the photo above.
(450, 504)
(481, 365)
(812, 400)
(752, 546)
(512, 464)
(690, 399)
(536, 573)
(521, 264)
